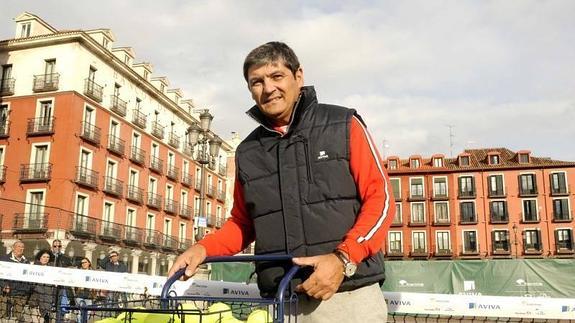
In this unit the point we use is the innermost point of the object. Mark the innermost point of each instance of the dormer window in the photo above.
(414, 163)
(392, 164)
(437, 162)
(524, 158)
(127, 60)
(162, 88)
(463, 161)
(25, 29)
(494, 159)
(146, 74)
(105, 42)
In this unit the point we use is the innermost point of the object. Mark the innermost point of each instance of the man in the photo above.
(14, 293)
(60, 259)
(310, 183)
(113, 264)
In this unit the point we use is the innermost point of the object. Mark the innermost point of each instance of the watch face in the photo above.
(350, 269)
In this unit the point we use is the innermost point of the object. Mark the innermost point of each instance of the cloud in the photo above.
(501, 73)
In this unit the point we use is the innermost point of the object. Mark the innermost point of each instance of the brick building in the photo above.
(486, 203)
(95, 150)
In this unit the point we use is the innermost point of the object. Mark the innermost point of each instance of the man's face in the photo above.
(57, 247)
(114, 257)
(18, 250)
(275, 89)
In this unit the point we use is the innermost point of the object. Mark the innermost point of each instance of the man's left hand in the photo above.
(326, 278)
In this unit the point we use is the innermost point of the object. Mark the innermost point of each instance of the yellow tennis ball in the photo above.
(230, 319)
(109, 320)
(260, 316)
(216, 312)
(191, 313)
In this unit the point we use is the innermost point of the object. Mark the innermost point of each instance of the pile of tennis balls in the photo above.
(215, 313)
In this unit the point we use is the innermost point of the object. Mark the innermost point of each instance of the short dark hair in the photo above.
(271, 52)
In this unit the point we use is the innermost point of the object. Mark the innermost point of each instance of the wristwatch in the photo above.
(349, 268)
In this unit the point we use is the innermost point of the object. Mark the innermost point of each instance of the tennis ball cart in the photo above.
(172, 308)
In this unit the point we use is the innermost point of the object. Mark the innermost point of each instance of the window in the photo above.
(530, 213)
(105, 42)
(441, 212)
(437, 162)
(108, 215)
(498, 211)
(169, 191)
(146, 74)
(34, 210)
(415, 163)
(25, 29)
(6, 80)
(416, 187)
(136, 140)
(392, 164)
(127, 59)
(440, 186)
(466, 186)
(49, 69)
(396, 185)
(470, 242)
(133, 178)
(168, 227)
(395, 245)
(171, 159)
(463, 161)
(91, 77)
(561, 210)
(131, 218)
(155, 150)
(532, 240)
(150, 222)
(111, 169)
(81, 204)
(85, 160)
(397, 219)
(494, 159)
(40, 165)
(443, 242)
(184, 198)
(197, 205)
(467, 210)
(524, 158)
(3, 119)
(564, 239)
(419, 243)
(500, 240)
(495, 185)
(558, 183)
(418, 213)
(152, 185)
(44, 115)
(527, 184)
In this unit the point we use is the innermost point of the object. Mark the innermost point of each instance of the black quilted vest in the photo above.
(299, 190)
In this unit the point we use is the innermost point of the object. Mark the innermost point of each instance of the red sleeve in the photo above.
(378, 208)
(236, 233)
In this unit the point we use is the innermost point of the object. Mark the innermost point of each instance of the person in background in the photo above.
(61, 293)
(15, 293)
(42, 296)
(309, 183)
(112, 263)
(84, 296)
(60, 259)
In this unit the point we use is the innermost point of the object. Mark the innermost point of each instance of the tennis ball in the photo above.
(109, 320)
(218, 311)
(260, 316)
(191, 313)
(230, 319)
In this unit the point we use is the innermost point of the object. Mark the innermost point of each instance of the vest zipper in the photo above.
(308, 161)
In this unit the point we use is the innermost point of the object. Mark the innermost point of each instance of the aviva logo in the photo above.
(96, 280)
(484, 306)
(27, 272)
(235, 292)
(398, 302)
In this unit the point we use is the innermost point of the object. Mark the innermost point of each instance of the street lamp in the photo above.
(208, 148)
(515, 238)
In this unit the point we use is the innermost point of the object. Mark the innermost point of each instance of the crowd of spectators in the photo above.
(22, 301)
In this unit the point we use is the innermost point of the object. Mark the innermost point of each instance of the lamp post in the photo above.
(207, 148)
(515, 238)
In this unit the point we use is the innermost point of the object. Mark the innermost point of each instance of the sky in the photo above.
(426, 76)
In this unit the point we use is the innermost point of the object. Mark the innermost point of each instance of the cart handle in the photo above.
(282, 286)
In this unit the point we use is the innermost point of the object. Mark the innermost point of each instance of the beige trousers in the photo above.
(364, 304)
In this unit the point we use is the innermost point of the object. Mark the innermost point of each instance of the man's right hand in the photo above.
(190, 260)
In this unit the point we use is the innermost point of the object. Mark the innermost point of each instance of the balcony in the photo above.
(532, 250)
(529, 217)
(501, 249)
(93, 90)
(40, 126)
(134, 194)
(419, 253)
(526, 192)
(84, 226)
(113, 186)
(198, 185)
(417, 223)
(86, 177)
(210, 190)
(186, 211)
(91, 133)
(118, 105)
(154, 201)
(500, 193)
(174, 140)
(221, 195)
(171, 206)
(440, 197)
(184, 245)
(169, 243)
(110, 231)
(116, 145)
(222, 169)
(496, 218)
(2, 174)
(4, 129)
(394, 253)
(157, 130)
(156, 164)
(187, 180)
(7, 87)
(416, 197)
(138, 156)
(139, 119)
(466, 194)
(152, 238)
(133, 236)
(443, 253)
(441, 222)
(563, 216)
(565, 247)
(468, 219)
(188, 149)
(41, 172)
(46, 82)
(33, 222)
(559, 191)
(173, 172)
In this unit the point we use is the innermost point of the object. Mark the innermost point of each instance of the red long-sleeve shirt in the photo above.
(373, 221)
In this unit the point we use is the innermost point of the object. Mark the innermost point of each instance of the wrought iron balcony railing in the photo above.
(7, 86)
(31, 222)
(137, 155)
(186, 211)
(91, 133)
(135, 194)
(187, 179)
(139, 118)
(118, 105)
(93, 90)
(171, 206)
(222, 169)
(174, 140)
(39, 172)
(84, 226)
(2, 174)
(154, 201)
(86, 177)
(113, 186)
(4, 129)
(221, 195)
(499, 218)
(156, 164)
(188, 149)
(46, 82)
(133, 235)
(466, 194)
(110, 231)
(116, 145)
(173, 172)
(40, 126)
(210, 190)
(169, 242)
(157, 130)
(152, 238)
